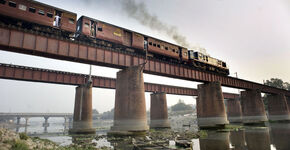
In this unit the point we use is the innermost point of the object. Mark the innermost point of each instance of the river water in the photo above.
(274, 136)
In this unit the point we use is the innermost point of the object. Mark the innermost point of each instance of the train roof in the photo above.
(131, 31)
(46, 5)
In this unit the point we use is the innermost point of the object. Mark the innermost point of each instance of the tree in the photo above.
(181, 106)
(108, 115)
(275, 82)
(278, 83)
(95, 111)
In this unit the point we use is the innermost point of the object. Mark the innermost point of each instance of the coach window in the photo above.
(158, 45)
(173, 50)
(154, 44)
(71, 20)
(50, 15)
(166, 48)
(100, 29)
(32, 10)
(12, 4)
(2, 2)
(150, 43)
(22, 7)
(87, 25)
(41, 12)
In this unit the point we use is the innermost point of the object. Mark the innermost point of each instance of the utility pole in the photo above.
(236, 73)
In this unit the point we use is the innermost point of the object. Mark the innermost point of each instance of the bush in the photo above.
(23, 136)
(19, 145)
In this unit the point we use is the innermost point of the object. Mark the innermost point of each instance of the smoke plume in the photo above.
(139, 12)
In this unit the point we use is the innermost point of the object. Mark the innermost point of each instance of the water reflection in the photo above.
(276, 136)
(257, 138)
(280, 135)
(237, 139)
(215, 141)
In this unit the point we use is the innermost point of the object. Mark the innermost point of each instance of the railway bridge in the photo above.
(130, 113)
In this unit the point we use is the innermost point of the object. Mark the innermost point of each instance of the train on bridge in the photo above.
(33, 15)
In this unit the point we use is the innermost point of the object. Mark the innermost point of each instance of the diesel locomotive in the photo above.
(34, 15)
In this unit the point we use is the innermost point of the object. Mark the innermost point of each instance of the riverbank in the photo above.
(154, 139)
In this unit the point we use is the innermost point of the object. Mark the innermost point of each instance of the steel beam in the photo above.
(24, 73)
(47, 46)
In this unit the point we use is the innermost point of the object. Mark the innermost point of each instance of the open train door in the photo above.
(57, 18)
(93, 29)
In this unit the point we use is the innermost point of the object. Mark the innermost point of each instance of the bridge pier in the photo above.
(158, 111)
(277, 108)
(26, 124)
(82, 117)
(288, 102)
(252, 107)
(210, 106)
(18, 120)
(130, 107)
(45, 124)
(234, 111)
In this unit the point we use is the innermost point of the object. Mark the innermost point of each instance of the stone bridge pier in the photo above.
(82, 118)
(158, 111)
(210, 106)
(253, 107)
(130, 107)
(234, 111)
(278, 108)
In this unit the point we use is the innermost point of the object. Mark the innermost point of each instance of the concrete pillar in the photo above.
(158, 111)
(252, 107)
(234, 111)
(210, 105)
(26, 124)
(277, 108)
(130, 108)
(215, 141)
(82, 119)
(26, 121)
(45, 124)
(258, 139)
(18, 120)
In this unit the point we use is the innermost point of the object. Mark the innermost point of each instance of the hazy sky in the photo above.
(252, 36)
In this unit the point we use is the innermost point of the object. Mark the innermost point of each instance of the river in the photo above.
(274, 136)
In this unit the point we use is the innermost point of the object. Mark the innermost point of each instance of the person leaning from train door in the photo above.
(57, 20)
(93, 29)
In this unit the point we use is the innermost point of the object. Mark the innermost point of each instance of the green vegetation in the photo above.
(95, 111)
(275, 82)
(19, 145)
(202, 133)
(181, 106)
(23, 136)
(278, 83)
(108, 114)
